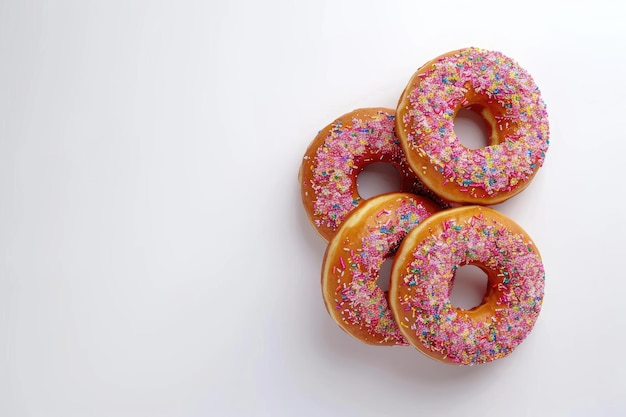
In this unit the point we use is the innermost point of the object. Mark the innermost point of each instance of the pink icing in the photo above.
(427, 283)
(442, 90)
(356, 266)
(345, 152)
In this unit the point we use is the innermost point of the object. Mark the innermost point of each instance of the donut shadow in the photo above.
(402, 363)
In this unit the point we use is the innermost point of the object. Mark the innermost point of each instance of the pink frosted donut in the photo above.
(505, 95)
(423, 274)
(334, 159)
(352, 262)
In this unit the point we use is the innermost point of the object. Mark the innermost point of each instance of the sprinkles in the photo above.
(339, 153)
(371, 234)
(495, 86)
(422, 285)
(432, 244)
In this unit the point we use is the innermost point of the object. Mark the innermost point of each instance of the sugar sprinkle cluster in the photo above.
(356, 269)
(425, 288)
(340, 158)
(422, 312)
(442, 89)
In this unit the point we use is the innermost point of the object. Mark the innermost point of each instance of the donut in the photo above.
(505, 95)
(352, 262)
(334, 159)
(423, 274)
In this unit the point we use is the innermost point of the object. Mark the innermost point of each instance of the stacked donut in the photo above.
(439, 221)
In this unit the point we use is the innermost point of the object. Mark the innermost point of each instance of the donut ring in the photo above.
(423, 274)
(334, 159)
(352, 262)
(505, 95)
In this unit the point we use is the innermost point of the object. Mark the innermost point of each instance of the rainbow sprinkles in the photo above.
(503, 92)
(420, 293)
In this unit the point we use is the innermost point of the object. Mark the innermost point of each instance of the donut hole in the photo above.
(384, 275)
(469, 287)
(471, 128)
(376, 179)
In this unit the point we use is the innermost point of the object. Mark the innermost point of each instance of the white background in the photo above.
(155, 259)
